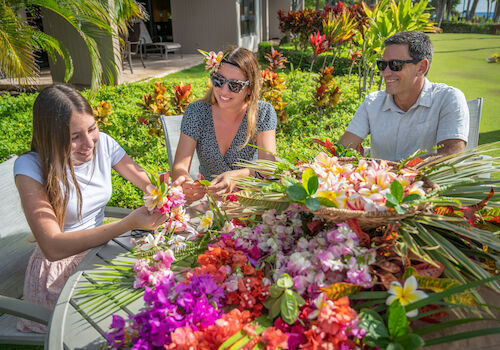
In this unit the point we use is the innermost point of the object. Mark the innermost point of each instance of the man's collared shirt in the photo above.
(440, 113)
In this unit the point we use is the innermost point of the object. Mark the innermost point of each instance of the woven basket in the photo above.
(370, 220)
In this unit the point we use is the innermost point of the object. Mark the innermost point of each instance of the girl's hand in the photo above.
(141, 218)
(192, 190)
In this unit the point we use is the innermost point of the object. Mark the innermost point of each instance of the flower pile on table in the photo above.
(289, 279)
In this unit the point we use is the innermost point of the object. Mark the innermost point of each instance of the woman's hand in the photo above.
(222, 184)
(192, 190)
(141, 218)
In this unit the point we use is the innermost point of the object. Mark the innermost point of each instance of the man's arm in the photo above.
(450, 146)
(350, 140)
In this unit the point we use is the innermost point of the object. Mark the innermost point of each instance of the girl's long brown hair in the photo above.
(52, 113)
(246, 61)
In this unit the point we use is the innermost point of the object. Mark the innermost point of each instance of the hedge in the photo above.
(460, 27)
(303, 58)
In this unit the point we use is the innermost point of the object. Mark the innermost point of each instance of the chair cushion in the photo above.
(15, 234)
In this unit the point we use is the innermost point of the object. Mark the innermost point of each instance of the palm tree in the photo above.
(90, 18)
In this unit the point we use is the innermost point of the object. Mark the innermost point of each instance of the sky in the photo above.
(481, 6)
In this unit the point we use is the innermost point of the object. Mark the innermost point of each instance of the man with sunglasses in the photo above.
(412, 113)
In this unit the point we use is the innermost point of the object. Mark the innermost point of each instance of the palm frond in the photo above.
(17, 61)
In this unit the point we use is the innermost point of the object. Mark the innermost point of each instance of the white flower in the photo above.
(177, 243)
(228, 227)
(206, 221)
(152, 241)
(406, 295)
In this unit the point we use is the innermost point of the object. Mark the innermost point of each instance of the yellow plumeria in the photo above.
(206, 221)
(406, 294)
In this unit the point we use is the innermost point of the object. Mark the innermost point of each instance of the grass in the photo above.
(459, 61)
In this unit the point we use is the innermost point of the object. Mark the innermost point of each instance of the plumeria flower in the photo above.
(206, 221)
(152, 241)
(212, 60)
(406, 295)
(177, 243)
(154, 198)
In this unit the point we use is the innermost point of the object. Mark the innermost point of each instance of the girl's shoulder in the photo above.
(197, 107)
(29, 164)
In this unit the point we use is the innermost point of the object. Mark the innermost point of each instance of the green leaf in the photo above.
(289, 308)
(299, 299)
(296, 193)
(326, 202)
(275, 309)
(289, 181)
(275, 291)
(397, 190)
(397, 321)
(391, 200)
(205, 183)
(285, 281)
(395, 346)
(411, 198)
(373, 324)
(310, 181)
(312, 204)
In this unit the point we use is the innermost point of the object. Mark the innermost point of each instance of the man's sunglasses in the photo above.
(234, 85)
(394, 65)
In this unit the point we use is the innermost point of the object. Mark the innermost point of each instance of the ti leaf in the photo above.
(310, 181)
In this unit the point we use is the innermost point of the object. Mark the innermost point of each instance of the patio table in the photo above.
(71, 328)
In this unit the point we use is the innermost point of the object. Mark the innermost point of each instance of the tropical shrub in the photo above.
(294, 136)
(463, 27)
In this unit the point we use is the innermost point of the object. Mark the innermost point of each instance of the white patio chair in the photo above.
(475, 108)
(15, 250)
(171, 125)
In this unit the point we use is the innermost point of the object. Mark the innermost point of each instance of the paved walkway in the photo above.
(156, 67)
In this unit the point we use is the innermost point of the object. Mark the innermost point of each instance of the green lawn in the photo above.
(459, 61)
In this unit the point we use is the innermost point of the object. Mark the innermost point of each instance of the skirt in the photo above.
(43, 282)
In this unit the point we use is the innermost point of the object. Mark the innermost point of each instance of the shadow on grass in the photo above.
(490, 136)
(463, 50)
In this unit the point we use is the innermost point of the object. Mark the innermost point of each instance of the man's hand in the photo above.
(349, 140)
(450, 146)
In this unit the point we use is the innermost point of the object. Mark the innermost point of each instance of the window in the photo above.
(247, 17)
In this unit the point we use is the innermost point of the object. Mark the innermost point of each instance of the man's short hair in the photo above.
(419, 44)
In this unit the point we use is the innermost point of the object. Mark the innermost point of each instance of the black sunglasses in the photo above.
(234, 85)
(394, 65)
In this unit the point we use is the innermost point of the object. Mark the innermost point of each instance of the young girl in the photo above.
(223, 124)
(64, 184)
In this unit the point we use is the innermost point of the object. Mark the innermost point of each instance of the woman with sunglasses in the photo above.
(224, 125)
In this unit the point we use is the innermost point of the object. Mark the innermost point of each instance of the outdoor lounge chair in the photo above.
(15, 250)
(164, 47)
(172, 131)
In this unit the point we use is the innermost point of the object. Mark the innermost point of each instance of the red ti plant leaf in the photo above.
(470, 210)
(414, 162)
(328, 145)
(364, 238)
(165, 178)
(428, 270)
(318, 43)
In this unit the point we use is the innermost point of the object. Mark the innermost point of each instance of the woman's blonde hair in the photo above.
(51, 139)
(246, 61)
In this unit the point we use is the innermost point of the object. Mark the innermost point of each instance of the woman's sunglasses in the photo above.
(394, 65)
(234, 85)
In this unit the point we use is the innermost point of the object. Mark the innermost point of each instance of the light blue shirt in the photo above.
(440, 113)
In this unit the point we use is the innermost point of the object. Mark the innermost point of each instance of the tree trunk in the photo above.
(496, 14)
(449, 7)
(441, 11)
(472, 11)
(318, 4)
(467, 10)
(488, 9)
